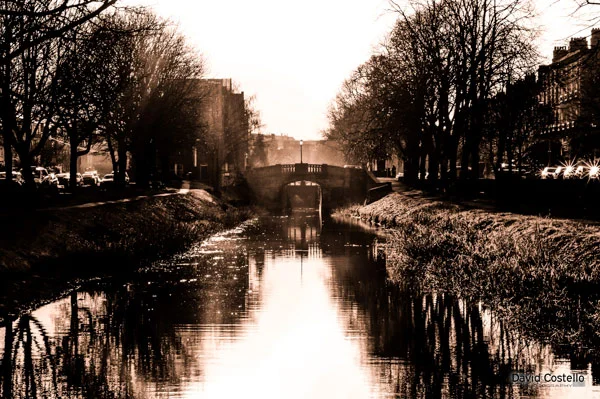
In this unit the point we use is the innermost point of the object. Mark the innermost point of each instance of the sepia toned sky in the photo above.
(293, 56)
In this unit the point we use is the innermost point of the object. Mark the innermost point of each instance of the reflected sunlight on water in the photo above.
(277, 309)
(295, 348)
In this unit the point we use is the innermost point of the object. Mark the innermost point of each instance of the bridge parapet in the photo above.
(315, 168)
(303, 168)
(291, 168)
(273, 170)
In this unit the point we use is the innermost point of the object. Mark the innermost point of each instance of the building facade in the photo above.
(568, 89)
(220, 153)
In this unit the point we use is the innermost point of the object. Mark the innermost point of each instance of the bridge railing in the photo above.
(290, 168)
(302, 168)
(314, 168)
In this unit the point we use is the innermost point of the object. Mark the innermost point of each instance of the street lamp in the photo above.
(301, 142)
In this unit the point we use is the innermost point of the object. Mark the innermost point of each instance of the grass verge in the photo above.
(45, 253)
(545, 273)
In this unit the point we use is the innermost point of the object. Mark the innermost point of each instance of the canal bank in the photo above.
(528, 267)
(45, 252)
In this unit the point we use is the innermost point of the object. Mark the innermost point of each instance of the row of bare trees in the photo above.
(30, 33)
(90, 73)
(428, 93)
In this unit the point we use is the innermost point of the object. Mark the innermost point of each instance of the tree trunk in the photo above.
(122, 165)
(8, 161)
(475, 158)
(113, 156)
(509, 152)
(26, 164)
(464, 161)
(501, 148)
(434, 166)
(7, 124)
(452, 156)
(73, 164)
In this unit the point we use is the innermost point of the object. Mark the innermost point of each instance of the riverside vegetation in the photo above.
(543, 273)
(51, 251)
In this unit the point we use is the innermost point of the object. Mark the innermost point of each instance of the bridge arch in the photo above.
(303, 195)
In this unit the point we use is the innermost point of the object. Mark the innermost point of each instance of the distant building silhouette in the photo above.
(282, 149)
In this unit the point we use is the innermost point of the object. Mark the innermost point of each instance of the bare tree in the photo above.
(353, 119)
(493, 42)
(29, 31)
(29, 101)
(49, 19)
(154, 107)
(166, 100)
(259, 155)
(426, 94)
(84, 90)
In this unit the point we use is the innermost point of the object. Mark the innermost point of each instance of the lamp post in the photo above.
(301, 142)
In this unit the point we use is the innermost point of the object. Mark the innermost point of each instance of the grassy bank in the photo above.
(547, 271)
(42, 252)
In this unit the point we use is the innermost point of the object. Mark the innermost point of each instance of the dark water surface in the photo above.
(279, 308)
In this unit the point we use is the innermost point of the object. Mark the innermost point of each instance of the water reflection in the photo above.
(280, 308)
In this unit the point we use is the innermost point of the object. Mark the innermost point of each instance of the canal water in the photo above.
(281, 307)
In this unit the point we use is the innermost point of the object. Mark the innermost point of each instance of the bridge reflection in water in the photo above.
(303, 197)
(281, 308)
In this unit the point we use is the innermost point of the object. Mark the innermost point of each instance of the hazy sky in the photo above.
(293, 56)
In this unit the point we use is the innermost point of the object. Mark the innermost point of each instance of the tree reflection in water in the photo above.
(143, 338)
(437, 345)
(117, 343)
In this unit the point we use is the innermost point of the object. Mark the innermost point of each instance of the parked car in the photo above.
(15, 186)
(593, 172)
(552, 172)
(581, 171)
(64, 178)
(39, 174)
(51, 184)
(570, 172)
(91, 178)
(108, 180)
(16, 176)
(524, 171)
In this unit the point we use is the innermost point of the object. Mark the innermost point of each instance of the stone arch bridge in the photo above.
(338, 185)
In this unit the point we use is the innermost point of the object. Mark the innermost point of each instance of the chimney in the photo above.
(559, 52)
(577, 43)
(595, 37)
